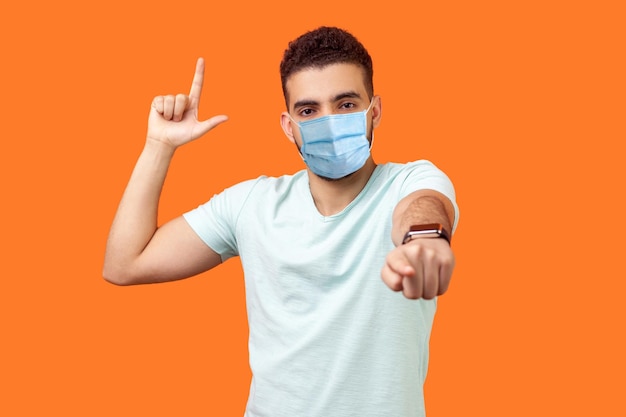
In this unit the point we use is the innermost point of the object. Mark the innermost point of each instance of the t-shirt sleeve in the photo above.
(215, 221)
(422, 175)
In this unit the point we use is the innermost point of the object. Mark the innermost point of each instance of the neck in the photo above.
(331, 197)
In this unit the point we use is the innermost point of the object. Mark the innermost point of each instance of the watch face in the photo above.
(426, 231)
(421, 234)
(426, 227)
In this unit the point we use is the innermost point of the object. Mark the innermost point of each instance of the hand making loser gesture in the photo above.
(173, 119)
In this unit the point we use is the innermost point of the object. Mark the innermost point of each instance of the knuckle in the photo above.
(448, 259)
(411, 295)
(394, 284)
(428, 294)
(390, 279)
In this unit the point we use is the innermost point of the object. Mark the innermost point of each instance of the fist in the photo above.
(421, 268)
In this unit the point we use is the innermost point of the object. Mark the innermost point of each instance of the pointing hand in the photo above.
(422, 268)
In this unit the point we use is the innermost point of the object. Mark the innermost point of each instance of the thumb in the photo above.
(399, 263)
(396, 269)
(206, 125)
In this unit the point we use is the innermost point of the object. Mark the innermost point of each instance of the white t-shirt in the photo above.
(327, 337)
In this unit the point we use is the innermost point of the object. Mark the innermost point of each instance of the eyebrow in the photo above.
(340, 96)
(347, 94)
(302, 103)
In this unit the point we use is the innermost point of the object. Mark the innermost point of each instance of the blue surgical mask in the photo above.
(336, 145)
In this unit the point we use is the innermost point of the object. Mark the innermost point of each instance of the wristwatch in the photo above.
(426, 230)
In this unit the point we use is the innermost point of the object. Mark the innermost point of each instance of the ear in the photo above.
(377, 111)
(287, 124)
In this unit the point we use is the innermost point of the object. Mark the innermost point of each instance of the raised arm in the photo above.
(138, 251)
(421, 268)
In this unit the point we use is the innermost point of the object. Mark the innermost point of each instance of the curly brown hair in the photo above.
(322, 47)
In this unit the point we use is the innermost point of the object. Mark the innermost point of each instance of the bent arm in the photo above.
(139, 252)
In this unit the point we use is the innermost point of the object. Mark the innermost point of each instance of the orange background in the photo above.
(521, 103)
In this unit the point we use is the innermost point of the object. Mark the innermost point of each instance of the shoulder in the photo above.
(417, 175)
(412, 165)
(262, 187)
(422, 168)
(264, 183)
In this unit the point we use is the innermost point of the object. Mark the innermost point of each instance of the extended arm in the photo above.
(138, 251)
(421, 268)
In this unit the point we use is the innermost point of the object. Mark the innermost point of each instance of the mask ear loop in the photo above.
(366, 111)
(370, 106)
(298, 126)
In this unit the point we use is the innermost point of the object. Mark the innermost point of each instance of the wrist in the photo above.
(158, 148)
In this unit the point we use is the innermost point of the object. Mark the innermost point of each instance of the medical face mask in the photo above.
(336, 145)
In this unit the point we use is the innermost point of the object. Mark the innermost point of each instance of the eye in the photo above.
(305, 112)
(347, 106)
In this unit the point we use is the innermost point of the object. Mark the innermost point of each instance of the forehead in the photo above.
(321, 84)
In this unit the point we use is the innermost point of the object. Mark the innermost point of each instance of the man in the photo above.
(327, 338)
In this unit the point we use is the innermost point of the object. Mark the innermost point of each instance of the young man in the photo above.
(327, 336)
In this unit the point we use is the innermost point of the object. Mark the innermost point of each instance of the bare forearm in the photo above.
(136, 219)
(423, 267)
(421, 208)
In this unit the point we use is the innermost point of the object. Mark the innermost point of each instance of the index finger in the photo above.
(196, 84)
